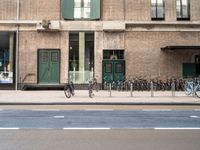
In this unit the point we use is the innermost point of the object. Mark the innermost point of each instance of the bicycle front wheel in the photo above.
(197, 91)
(187, 89)
(67, 92)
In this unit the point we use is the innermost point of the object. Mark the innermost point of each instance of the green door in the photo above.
(113, 70)
(189, 70)
(49, 67)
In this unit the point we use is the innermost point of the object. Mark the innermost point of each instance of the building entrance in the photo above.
(113, 66)
(191, 70)
(49, 66)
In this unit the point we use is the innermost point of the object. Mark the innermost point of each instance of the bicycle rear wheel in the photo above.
(67, 92)
(187, 89)
(197, 92)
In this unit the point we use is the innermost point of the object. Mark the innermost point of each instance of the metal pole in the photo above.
(17, 49)
(131, 89)
(152, 92)
(173, 89)
(110, 89)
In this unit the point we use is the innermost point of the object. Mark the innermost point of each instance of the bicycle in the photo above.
(90, 88)
(191, 88)
(69, 89)
(93, 85)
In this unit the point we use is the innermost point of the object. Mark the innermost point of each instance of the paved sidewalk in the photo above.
(101, 97)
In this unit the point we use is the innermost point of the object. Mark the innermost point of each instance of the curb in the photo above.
(100, 103)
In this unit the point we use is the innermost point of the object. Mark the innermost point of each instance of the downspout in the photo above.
(17, 49)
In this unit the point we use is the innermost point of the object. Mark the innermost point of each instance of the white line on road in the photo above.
(156, 110)
(196, 109)
(98, 109)
(45, 109)
(194, 116)
(86, 128)
(182, 128)
(59, 117)
(9, 128)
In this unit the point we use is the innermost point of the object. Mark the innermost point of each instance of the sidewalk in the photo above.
(102, 97)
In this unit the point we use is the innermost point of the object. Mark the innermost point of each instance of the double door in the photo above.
(49, 66)
(113, 70)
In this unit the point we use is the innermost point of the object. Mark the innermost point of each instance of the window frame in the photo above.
(182, 18)
(157, 5)
(82, 10)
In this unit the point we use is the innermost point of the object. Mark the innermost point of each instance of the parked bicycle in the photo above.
(69, 89)
(192, 87)
(93, 85)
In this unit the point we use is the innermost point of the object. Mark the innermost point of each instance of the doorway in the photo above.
(48, 66)
(113, 66)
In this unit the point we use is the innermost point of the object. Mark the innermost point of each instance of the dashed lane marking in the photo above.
(194, 116)
(59, 117)
(9, 128)
(86, 128)
(177, 128)
(156, 110)
(99, 109)
(45, 109)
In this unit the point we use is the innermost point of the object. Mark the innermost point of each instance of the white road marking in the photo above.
(196, 109)
(1, 109)
(182, 128)
(86, 128)
(9, 128)
(45, 109)
(156, 110)
(58, 117)
(194, 116)
(98, 109)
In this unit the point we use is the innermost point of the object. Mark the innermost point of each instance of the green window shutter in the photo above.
(68, 9)
(95, 9)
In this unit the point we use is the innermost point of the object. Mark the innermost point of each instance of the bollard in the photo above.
(193, 91)
(173, 89)
(131, 89)
(152, 92)
(110, 87)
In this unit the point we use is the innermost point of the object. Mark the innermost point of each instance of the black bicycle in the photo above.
(69, 89)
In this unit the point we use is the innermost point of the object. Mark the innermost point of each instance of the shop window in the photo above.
(81, 56)
(183, 9)
(157, 10)
(6, 57)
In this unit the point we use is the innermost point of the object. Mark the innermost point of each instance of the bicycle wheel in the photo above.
(67, 92)
(187, 89)
(197, 91)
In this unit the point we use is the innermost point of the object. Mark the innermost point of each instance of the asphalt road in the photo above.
(109, 119)
(100, 140)
(93, 129)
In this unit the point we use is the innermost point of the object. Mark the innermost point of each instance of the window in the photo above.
(81, 9)
(7, 41)
(113, 54)
(157, 10)
(182, 10)
(81, 56)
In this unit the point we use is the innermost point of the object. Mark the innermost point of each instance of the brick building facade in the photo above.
(45, 42)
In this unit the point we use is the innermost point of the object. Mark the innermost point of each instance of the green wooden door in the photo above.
(189, 70)
(49, 67)
(113, 70)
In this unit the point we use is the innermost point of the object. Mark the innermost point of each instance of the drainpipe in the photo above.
(17, 49)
